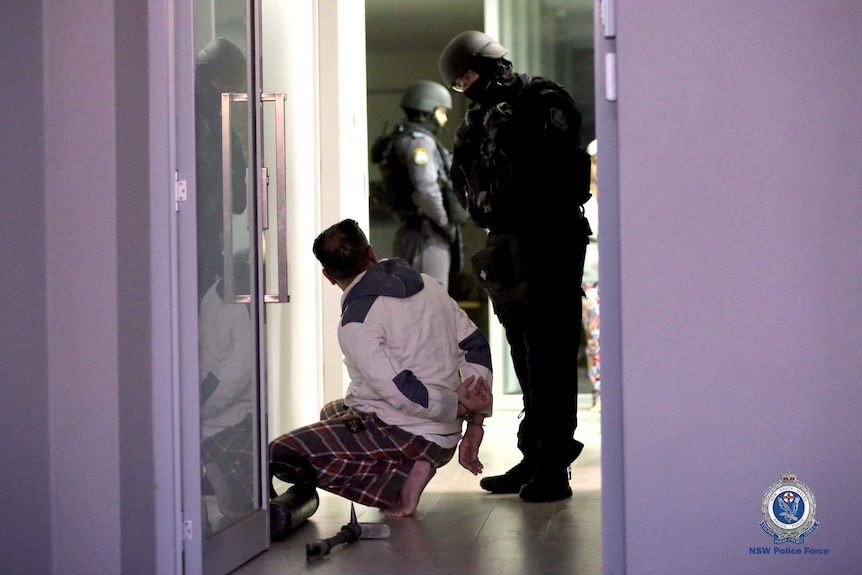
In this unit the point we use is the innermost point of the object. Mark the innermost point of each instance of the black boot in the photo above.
(509, 482)
(550, 482)
(547, 485)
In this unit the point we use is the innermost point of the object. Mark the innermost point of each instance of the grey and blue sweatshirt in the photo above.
(407, 346)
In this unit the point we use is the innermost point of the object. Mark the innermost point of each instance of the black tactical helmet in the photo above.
(426, 96)
(462, 52)
(224, 59)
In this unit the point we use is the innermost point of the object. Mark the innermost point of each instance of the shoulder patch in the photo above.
(420, 156)
(357, 310)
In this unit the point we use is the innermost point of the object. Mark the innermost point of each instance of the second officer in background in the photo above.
(415, 169)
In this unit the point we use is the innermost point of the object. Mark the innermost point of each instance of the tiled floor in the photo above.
(460, 529)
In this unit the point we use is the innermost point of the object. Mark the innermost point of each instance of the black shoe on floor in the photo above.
(545, 486)
(509, 482)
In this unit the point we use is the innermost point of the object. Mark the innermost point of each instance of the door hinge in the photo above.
(187, 530)
(180, 191)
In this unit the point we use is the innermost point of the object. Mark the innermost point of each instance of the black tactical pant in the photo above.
(544, 333)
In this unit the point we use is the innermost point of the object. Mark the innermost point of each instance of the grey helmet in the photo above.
(464, 50)
(426, 96)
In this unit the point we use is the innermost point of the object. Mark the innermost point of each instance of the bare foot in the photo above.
(408, 497)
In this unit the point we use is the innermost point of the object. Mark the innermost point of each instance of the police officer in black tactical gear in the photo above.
(520, 170)
(429, 216)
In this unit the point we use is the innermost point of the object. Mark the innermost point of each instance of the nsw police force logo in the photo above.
(788, 510)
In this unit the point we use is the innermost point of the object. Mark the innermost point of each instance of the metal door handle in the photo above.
(280, 197)
(227, 198)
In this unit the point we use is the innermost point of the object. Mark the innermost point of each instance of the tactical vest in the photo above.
(495, 148)
(395, 189)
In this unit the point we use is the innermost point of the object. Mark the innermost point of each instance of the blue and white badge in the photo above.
(788, 510)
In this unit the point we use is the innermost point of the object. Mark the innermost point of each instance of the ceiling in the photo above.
(428, 25)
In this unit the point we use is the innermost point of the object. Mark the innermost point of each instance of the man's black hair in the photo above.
(342, 249)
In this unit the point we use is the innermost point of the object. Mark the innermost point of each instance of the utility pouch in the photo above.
(492, 268)
(497, 267)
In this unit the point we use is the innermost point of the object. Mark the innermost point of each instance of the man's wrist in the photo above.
(467, 415)
(471, 417)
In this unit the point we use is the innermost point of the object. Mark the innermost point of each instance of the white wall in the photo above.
(289, 37)
(733, 183)
(313, 50)
(343, 157)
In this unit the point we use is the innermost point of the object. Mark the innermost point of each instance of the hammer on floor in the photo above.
(348, 534)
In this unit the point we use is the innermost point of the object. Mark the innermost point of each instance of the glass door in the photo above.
(239, 205)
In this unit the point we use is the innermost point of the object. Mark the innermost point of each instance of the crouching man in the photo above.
(420, 381)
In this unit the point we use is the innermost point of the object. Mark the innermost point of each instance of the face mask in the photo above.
(480, 90)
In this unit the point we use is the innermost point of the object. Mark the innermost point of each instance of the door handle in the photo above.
(280, 198)
(264, 197)
(281, 296)
(227, 198)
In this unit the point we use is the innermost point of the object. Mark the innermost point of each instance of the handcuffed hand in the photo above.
(474, 394)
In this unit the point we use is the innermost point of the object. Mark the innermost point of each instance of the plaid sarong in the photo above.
(231, 451)
(356, 455)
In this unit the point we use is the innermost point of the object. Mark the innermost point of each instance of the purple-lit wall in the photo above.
(731, 352)
(24, 424)
(77, 459)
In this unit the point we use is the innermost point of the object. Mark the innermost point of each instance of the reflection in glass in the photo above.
(227, 348)
(227, 401)
(220, 68)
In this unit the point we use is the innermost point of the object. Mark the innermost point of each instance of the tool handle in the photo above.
(321, 547)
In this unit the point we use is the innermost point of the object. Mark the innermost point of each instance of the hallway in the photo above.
(458, 528)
